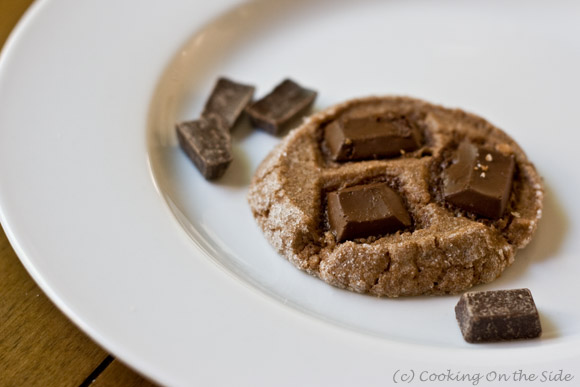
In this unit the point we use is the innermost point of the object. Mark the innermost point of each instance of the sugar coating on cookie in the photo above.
(449, 247)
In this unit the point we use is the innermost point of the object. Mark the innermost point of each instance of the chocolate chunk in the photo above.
(371, 137)
(285, 103)
(227, 101)
(207, 145)
(479, 180)
(498, 315)
(366, 210)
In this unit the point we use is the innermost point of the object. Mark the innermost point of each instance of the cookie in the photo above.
(451, 242)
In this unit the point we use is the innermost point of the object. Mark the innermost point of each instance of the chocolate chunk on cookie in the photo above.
(479, 180)
(365, 210)
(294, 197)
(371, 137)
(285, 103)
(498, 315)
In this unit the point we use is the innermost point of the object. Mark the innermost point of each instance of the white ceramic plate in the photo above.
(170, 272)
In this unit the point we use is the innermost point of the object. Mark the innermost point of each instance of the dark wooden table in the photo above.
(39, 346)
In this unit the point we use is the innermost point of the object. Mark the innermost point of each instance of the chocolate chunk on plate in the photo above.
(479, 180)
(371, 137)
(498, 315)
(227, 101)
(366, 210)
(207, 145)
(285, 103)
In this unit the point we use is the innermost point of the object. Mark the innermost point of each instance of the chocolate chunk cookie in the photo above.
(397, 197)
